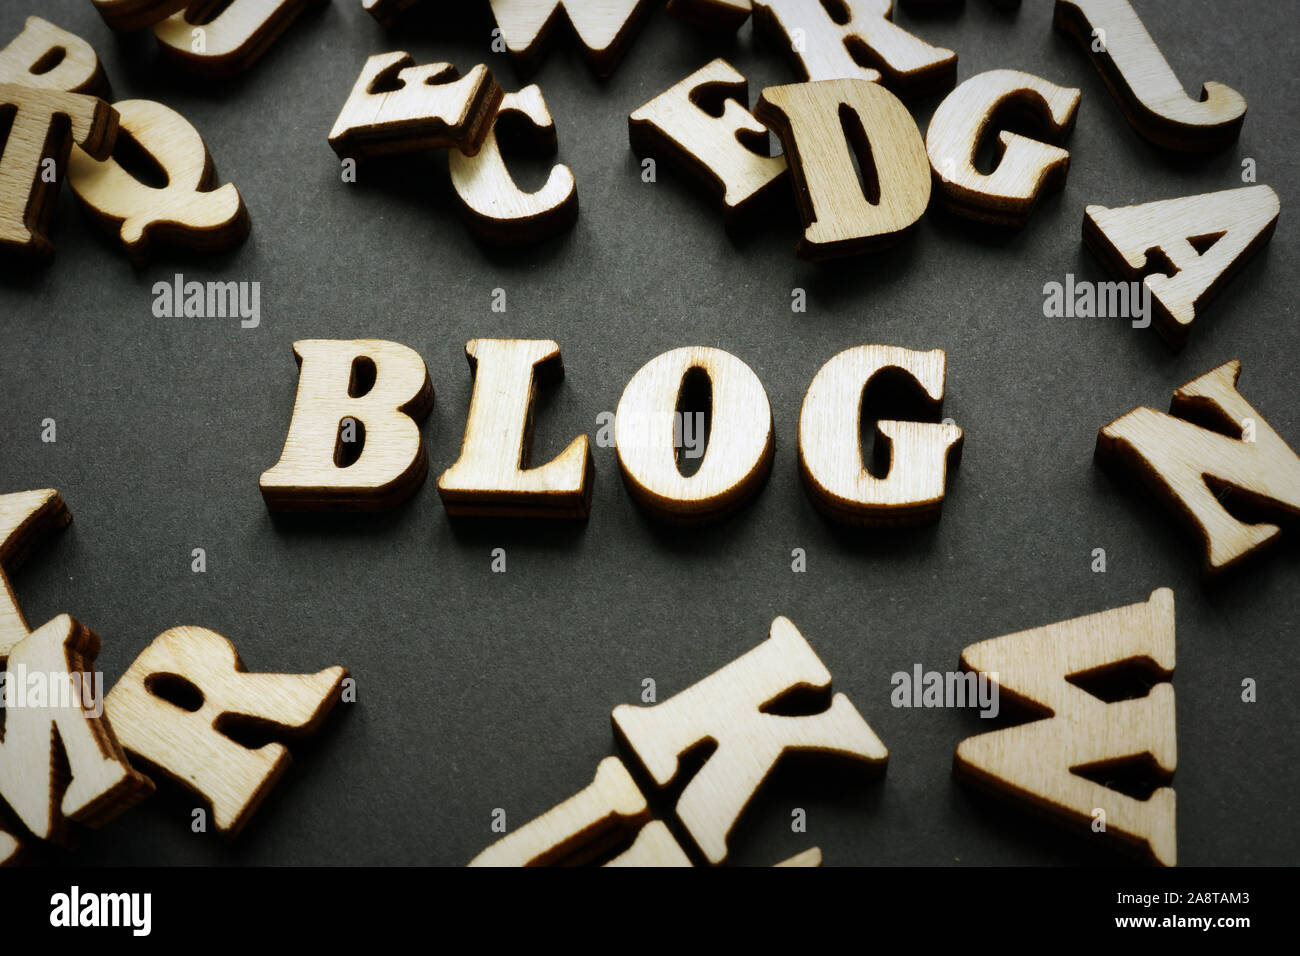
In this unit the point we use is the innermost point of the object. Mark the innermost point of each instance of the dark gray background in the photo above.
(481, 690)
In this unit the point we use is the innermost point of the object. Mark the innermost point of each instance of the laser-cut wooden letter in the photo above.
(727, 707)
(233, 41)
(76, 67)
(606, 811)
(398, 107)
(825, 49)
(727, 154)
(499, 211)
(818, 124)
(1206, 239)
(38, 132)
(493, 476)
(187, 212)
(647, 429)
(604, 28)
(188, 745)
(1190, 466)
(830, 452)
(86, 776)
(1026, 167)
(1139, 77)
(379, 389)
(1036, 763)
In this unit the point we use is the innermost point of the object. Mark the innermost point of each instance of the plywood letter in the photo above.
(76, 68)
(1139, 77)
(362, 392)
(1040, 763)
(648, 431)
(493, 476)
(1025, 168)
(608, 810)
(499, 211)
(234, 40)
(830, 452)
(38, 132)
(189, 744)
(604, 28)
(728, 708)
(398, 107)
(187, 212)
(127, 15)
(1191, 466)
(1206, 239)
(827, 48)
(726, 154)
(821, 125)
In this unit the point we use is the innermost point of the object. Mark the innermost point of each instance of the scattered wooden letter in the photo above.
(1139, 77)
(647, 429)
(45, 55)
(186, 212)
(1191, 465)
(231, 42)
(594, 819)
(1026, 167)
(188, 744)
(727, 154)
(398, 107)
(604, 28)
(493, 475)
(1206, 239)
(386, 11)
(728, 707)
(1041, 763)
(498, 210)
(821, 125)
(824, 48)
(830, 452)
(45, 125)
(59, 759)
(378, 390)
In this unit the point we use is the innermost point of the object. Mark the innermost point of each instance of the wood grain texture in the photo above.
(821, 126)
(604, 813)
(86, 776)
(26, 519)
(726, 707)
(1206, 239)
(727, 155)
(46, 123)
(497, 209)
(1038, 764)
(1196, 469)
(232, 41)
(190, 211)
(604, 28)
(391, 463)
(398, 107)
(721, 15)
(737, 458)
(830, 449)
(493, 475)
(188, 745)
(127, 15)
(823, 49)
(28, 56)
(1026, 167)
(1138, 76)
